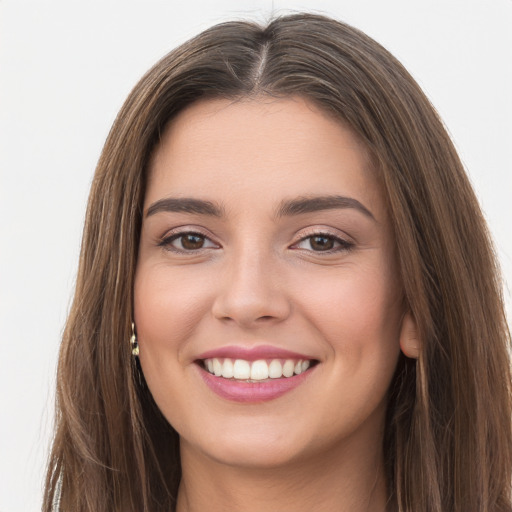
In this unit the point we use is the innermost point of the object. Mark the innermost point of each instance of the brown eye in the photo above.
(187, 242)
(191, 241)
(321, 243)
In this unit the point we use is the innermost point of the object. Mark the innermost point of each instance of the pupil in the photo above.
(192, 241)
(322, 243)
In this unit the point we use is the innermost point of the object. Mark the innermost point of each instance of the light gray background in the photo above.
(65, 69)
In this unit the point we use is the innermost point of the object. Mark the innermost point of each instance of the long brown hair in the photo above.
(448, 442)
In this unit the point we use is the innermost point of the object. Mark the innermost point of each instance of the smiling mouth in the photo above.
(256, 371)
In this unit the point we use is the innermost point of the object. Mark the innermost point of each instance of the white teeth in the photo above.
(288, 367)
(241, 370)
(217, 367)
(275, 369)
(259, 370)
(227, 369)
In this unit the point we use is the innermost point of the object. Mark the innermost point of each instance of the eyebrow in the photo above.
(287, 208)
(186, 205)
(318, 203)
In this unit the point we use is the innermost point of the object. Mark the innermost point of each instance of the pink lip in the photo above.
(253, 353)
(252, 392)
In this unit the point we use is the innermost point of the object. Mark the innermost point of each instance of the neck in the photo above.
(343, 480)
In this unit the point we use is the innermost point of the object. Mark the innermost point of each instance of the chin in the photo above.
(253, 457)
(252, 448)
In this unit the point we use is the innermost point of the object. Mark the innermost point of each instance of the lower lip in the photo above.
(252, 392)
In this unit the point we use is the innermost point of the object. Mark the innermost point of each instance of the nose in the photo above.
(252, 292)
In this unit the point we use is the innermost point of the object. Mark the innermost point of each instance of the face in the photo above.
(267, 299)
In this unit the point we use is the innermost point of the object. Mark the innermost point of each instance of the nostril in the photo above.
(250, 306)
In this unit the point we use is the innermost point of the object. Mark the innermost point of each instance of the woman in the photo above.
(281, 227)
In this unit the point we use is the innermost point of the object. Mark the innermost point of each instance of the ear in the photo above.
(409, 338)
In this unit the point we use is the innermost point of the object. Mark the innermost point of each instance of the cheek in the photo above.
(361, 325)
(168, 306)
(359, 318)
(168, 309)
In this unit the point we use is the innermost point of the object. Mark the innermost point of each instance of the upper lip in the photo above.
(253, 353)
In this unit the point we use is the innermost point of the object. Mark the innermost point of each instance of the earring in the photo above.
(133, 342)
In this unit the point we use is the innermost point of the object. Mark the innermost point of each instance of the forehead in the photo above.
(264, 146)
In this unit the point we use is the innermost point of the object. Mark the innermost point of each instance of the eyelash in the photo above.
(166, 242)
(343, 245)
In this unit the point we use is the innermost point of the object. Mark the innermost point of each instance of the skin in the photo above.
(263, 279)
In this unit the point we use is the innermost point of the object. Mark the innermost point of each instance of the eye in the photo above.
(187, 242)
(323, 242)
